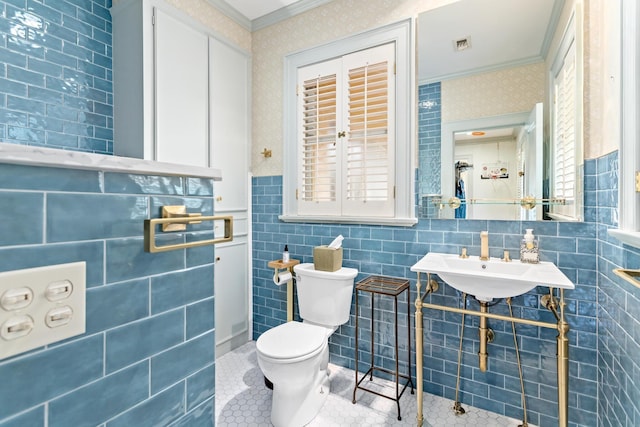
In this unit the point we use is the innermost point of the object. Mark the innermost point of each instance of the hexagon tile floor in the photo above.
(243, 400)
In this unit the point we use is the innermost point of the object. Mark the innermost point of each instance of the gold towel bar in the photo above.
(150, 232)
(631, 276)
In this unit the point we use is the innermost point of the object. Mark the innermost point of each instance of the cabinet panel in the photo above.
(232, 291)
(181, 88)
(160, 84)
(229, 121)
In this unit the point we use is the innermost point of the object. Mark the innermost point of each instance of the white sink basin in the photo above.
(493, 278)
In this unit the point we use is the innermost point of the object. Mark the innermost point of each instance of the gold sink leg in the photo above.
(563, 366)
(419, 362)
(457, 407)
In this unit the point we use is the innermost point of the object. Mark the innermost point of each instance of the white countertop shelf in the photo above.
(41, 156)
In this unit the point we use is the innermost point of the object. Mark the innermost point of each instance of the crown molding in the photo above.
(274, 17)
(285, 13)
(232, 13)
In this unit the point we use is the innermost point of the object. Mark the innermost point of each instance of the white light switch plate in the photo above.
(39, 306)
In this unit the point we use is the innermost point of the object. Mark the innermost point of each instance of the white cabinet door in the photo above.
(231, 295)
(181, 88)
(229, 113)
(230, 127)
(160, 84)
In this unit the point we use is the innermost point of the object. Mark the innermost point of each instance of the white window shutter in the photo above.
(369, 146)
(319, 117)
(564, 135)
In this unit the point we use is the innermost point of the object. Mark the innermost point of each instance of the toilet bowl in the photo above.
(294, 356)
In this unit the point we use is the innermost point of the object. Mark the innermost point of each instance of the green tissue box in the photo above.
(327, 259)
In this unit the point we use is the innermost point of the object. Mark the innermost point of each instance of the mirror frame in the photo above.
(629, 153)
(510, 119)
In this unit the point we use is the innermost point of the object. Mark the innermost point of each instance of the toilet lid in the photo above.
(290, 340)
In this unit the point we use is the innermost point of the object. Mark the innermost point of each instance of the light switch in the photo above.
(16, 327)
(59, 316)
(42, 305)
(59, 290)
(17, 298)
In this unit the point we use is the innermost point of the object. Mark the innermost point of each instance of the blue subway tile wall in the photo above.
(56, 81)
(429, 127)
(618, 309)
(147, 357)
(391, 251)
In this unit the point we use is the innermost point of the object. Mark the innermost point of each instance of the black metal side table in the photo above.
(386, 286)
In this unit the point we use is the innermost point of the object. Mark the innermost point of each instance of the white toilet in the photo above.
(294, 356)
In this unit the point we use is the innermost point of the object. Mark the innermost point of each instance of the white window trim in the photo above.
(629, 154)
(402, 34)
(573, 34)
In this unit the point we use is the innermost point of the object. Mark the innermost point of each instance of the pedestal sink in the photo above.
(493, 278)
(486, 280)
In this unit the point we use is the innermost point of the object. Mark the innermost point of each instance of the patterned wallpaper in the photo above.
(334, 20)
(602, 75)
(494, 93)
(341, 18)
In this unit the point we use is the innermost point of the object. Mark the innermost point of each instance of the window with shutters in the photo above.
(343, 155)
(346, 139)
(566, 128)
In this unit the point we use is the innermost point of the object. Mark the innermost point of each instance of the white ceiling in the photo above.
(489, 134)
(253, 9)
(502, 33)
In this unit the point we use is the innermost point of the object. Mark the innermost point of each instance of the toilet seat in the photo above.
(291, 342)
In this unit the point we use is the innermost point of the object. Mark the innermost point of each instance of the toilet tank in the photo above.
(324, 297)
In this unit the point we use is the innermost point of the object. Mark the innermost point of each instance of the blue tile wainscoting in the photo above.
(56, 91)
(618, 310)
(391, 251)
(55, 74)
(147, 357)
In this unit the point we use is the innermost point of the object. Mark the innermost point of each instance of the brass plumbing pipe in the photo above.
(550, 302)
(515, 346)
(486, 336)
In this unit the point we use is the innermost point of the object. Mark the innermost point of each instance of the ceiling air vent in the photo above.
(462, 44)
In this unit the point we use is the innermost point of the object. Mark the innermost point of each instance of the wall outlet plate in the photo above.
(42, 305)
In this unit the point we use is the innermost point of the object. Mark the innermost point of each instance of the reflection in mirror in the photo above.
(485, 74)
(487, 168)
(507, 153)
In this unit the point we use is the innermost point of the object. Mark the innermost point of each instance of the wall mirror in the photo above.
(483, 117)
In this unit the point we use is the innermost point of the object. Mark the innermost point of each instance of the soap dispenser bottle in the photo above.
(529, 248)
(285, 254)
